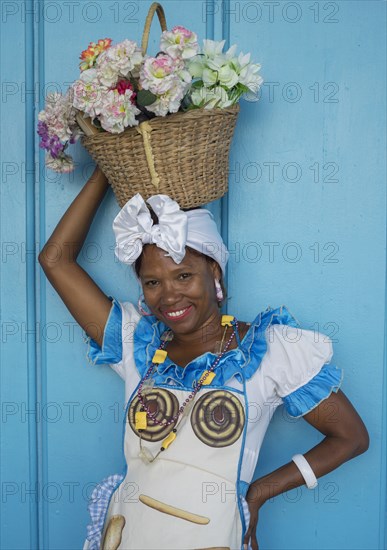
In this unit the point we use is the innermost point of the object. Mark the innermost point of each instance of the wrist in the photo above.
(259, 492)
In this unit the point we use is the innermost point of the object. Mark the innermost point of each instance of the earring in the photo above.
(219, 291)
(140, 308)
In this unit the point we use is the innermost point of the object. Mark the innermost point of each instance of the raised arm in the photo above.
(85, 300)
(345, 437)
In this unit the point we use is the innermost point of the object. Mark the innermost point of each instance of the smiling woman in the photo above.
(190, 375)
(184, 296)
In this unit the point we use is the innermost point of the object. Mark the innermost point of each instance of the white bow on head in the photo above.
(134, 227)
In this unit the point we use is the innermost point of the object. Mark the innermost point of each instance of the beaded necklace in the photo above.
(147, 383)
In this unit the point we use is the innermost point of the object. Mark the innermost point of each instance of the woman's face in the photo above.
(183, 295)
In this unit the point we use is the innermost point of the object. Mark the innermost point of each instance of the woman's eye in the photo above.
(185, 276)
(151, 283)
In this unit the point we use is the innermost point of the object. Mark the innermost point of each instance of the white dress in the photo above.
(192, 495)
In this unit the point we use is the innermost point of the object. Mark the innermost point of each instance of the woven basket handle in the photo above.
(155, 7)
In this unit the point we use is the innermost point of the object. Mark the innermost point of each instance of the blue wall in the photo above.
(305, 221)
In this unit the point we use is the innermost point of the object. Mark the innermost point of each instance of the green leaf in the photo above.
(197, 84)
(145, 97)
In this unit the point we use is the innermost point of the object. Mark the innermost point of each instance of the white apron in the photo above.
(187, 498)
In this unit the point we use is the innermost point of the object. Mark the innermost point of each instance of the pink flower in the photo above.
(170, 101)
(178, 29)
(179, 43)
(88, 96)
(124, 85)
(118, 111)
(118, 61)
(158, 74)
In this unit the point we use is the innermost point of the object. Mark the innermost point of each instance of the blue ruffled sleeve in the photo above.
(299, 364)
(310, 395)
(111, 350)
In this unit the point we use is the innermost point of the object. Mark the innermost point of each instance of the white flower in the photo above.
(63, 163)
(108, 74)
(59, 115)
(118, 112)
(212, 48)
(179, 43)
(249, 77)
(196, 66)
(243, 60)
(89, 75)
(209, 77)
(87, 96)
(247, 71)
(170, 101)
(228, 77)
(210, 98)
(214, 66)
(183, 73)
(217, 62)
(230, 54)
(159, 74)
(216, 73)
(118, 61)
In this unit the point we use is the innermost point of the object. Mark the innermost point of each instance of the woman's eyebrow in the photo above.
(178, 269)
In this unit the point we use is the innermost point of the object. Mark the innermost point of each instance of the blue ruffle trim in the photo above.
(241, 362)
(111, 351)
(257, 346)
(98, 506)
(310, 395)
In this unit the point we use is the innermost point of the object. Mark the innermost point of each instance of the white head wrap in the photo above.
(134, 227)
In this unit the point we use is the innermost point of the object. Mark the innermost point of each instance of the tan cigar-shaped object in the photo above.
(113, 534)
(173, 511)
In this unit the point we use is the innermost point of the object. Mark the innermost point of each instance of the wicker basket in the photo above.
(183, 155)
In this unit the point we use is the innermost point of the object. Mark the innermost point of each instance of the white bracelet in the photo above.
(306, 471)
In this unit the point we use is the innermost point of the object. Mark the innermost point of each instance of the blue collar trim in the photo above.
(241, 362)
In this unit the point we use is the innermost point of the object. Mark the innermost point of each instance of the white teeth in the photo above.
(176, 313)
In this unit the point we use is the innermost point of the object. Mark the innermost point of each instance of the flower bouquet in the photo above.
(159, 124)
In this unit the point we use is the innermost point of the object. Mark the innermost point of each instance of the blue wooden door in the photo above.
(305, 224)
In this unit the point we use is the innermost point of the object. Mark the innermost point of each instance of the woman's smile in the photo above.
(176, 315)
